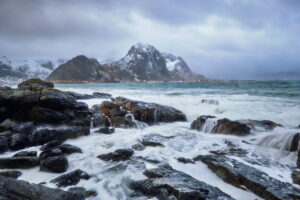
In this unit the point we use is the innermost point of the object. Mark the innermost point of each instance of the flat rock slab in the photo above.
(22, 190)
(19, 162)
(242, 175)
(167, 183)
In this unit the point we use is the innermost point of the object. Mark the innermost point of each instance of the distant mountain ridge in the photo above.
(16, 70)
(142, 63)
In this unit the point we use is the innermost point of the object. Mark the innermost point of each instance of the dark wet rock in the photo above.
(294, 143)
(298, 159)
(83, 191)
(43, 136)
(138, 147)
(71, 178)
(50, 153)
(25, 153)
(98, 120)
(118, 155)
(167, 183)
(224, 126)
(50, 145)
(260, 124)
(12, 189)
(296, 176)
(102, 95)
(57, 164)
(89, 96)
(150, 113)
(150, 143)
(106, 130)
(43, 106)
(200, 121)
(4, 141)
(18, 141)
(7, 124)
(35, 84)
(69, 149)
(45, 115)
(19, 162)
(26, 128)
(12, 174)
(242, 175)
(185, 160)
(210, 101)
(117, 169)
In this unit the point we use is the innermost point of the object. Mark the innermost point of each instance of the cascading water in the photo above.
(209, 124)
(155, 115)
(92, 123)
(139, 124)
(283, 142)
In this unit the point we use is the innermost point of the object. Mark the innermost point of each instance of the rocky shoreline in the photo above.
(37, 114)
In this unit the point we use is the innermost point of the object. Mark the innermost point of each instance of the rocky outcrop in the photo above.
(167, 183)
(210, 124)
(34, 104)
(35, 84)
(242, 175)
(123, 112)
(90, 96)
(22, 190)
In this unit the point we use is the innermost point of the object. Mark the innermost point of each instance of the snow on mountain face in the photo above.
(179, 68)
(19, 69)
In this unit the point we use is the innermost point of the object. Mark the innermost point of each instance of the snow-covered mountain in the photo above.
(15, 70)
(142, 63)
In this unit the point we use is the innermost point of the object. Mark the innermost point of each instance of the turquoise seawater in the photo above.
(288, 89)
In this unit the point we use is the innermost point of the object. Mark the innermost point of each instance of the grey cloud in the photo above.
(219, 38)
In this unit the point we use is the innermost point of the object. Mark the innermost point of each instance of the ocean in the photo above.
(278, 101)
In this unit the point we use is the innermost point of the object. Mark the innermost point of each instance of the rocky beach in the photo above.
(80, 141)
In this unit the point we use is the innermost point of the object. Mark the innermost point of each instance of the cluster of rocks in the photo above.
(126, 113)
(24, 114)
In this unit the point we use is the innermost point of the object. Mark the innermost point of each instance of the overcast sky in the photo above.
(231, 39)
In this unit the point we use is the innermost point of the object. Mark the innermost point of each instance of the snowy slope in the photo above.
(179, 68)
(15, 70)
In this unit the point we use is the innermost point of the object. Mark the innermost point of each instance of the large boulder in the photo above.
(167, 183)
(57, 164)
(35, 84)
(210, 124)
(118, 155)
(71, 178)
(242, 175)
(123, 112)
(16, 189)
(43, 136)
